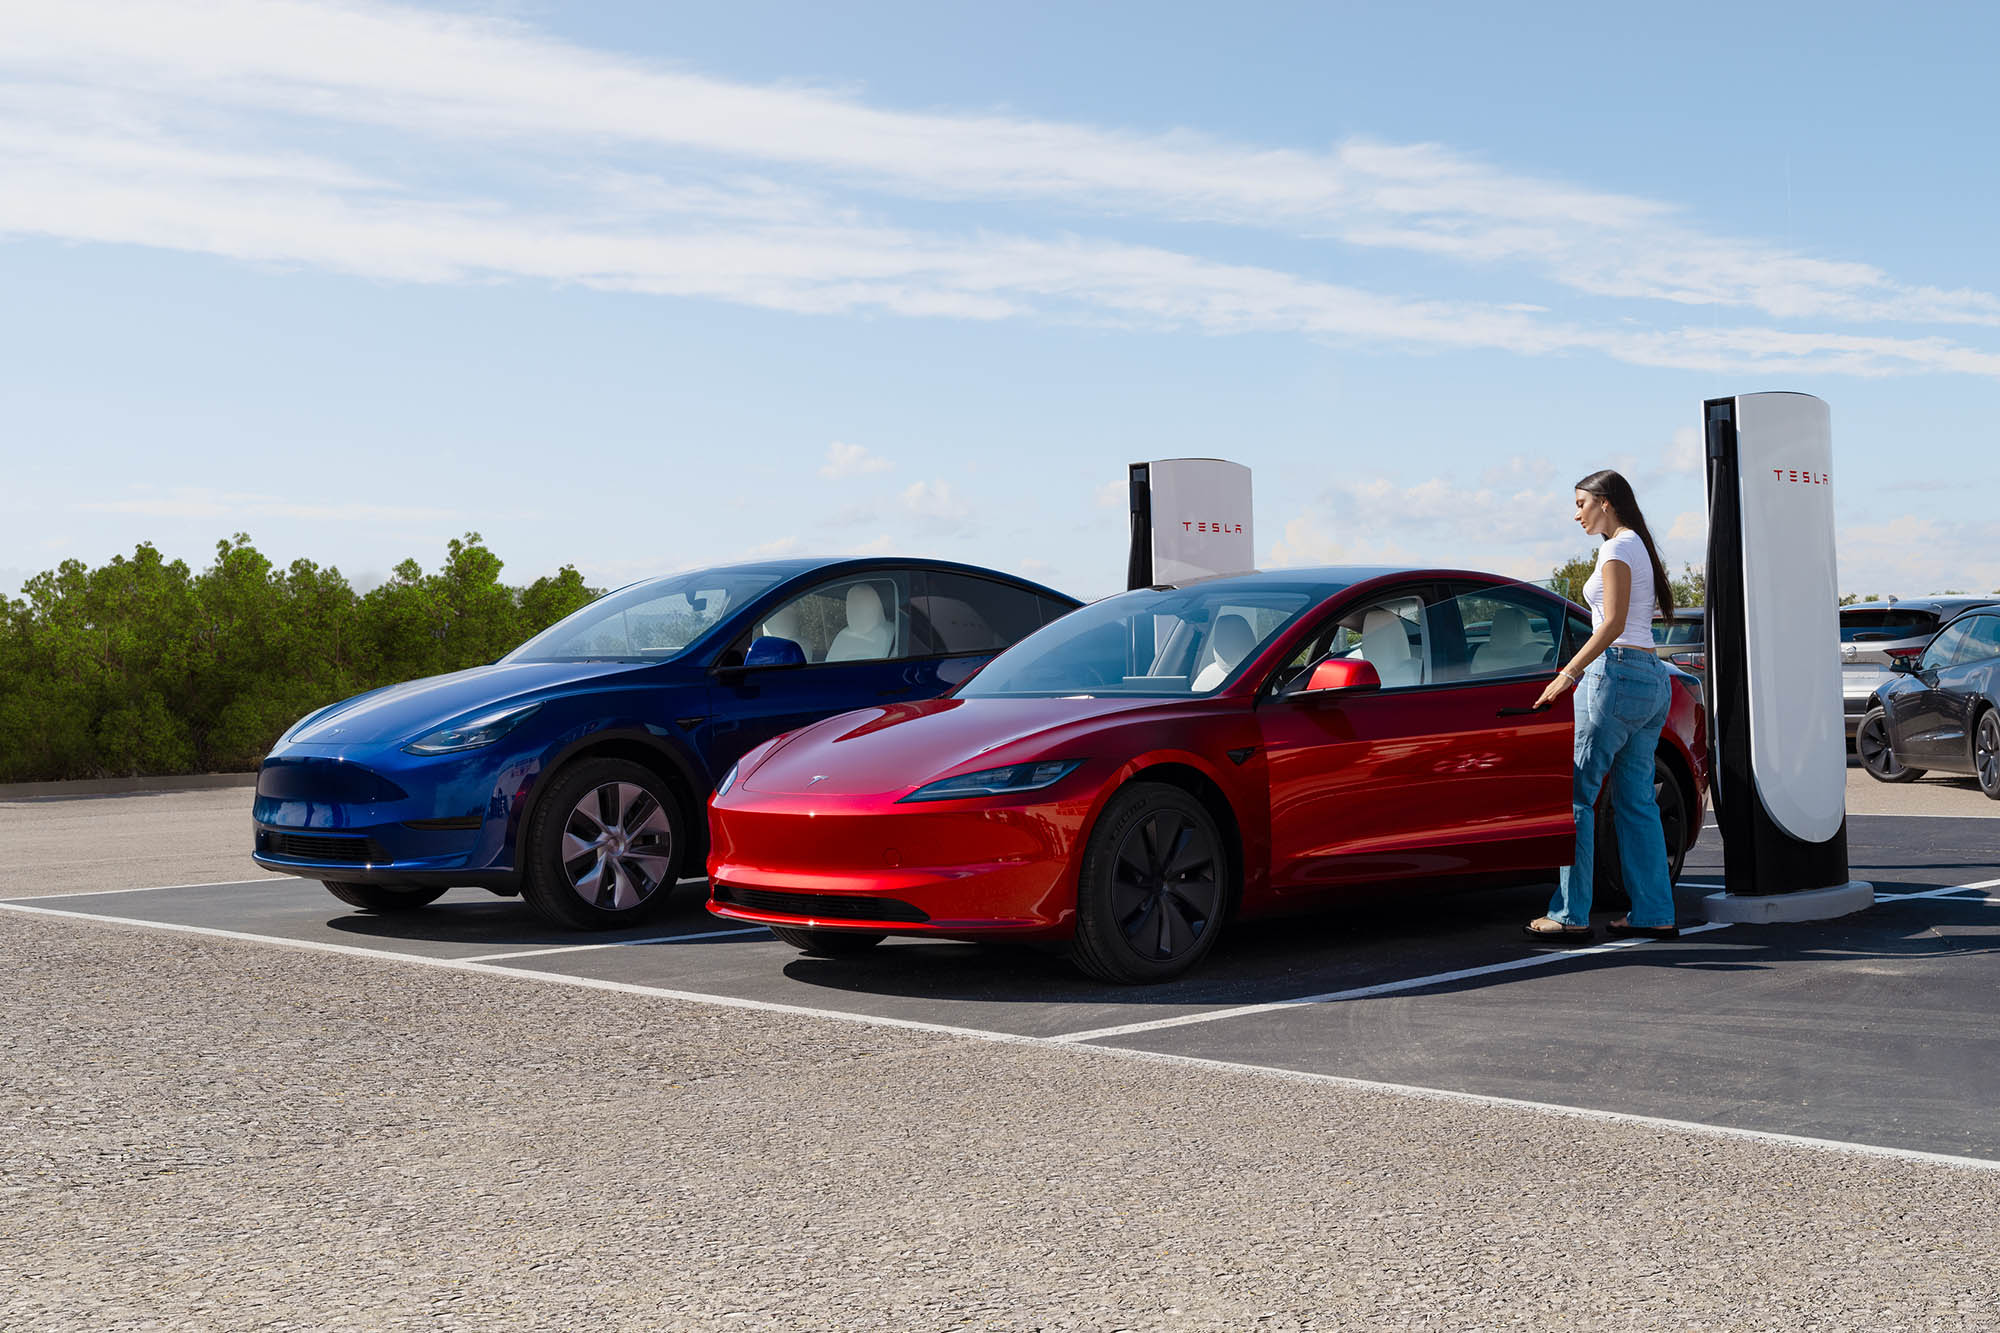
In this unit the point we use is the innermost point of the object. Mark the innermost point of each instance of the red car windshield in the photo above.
(1162, 642)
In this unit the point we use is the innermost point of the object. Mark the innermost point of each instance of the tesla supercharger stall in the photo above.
(1190, 518)
(1778, 771)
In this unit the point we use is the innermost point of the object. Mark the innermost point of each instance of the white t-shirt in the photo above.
(1624, 545)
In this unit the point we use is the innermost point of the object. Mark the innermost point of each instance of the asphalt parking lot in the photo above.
(1872, 1039)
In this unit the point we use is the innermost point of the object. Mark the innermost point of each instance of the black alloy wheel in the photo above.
(382, 897)
(1608, 871)
(1986, 753)
(1871, 743)
(827, 943)
(604, 846)
(1153, 886)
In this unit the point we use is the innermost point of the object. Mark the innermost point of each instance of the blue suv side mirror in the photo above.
(767, 651)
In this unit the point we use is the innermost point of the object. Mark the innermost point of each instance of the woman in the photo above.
(1621, 704)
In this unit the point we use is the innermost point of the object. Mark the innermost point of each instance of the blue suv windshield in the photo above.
(647, 622)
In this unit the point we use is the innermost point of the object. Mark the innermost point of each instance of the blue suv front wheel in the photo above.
(604, 846)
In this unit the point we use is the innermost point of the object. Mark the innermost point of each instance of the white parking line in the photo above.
(1369, 992)
(1589, 1113)
(1938, 893)
(1912, 814)
(614, 944)
(1442, 978)
(493, 970)
(1414, 1091)
(148, 888)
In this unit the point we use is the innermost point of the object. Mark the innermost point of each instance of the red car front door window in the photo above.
(1427, 779)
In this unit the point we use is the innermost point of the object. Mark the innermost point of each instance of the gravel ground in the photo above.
(89, 844)
(210, 1135)
(200, 1134)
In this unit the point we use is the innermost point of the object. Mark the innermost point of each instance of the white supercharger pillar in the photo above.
(1778, 771)
(1190, 518)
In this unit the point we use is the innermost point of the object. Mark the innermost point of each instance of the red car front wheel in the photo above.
(1150, 896)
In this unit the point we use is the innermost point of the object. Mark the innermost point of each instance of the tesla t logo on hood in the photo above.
(817, 777)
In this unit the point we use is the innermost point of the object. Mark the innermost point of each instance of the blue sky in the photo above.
(637, 287)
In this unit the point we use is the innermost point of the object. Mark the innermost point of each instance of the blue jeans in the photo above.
(1621, 704)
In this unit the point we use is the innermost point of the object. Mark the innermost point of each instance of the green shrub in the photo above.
(144, 667)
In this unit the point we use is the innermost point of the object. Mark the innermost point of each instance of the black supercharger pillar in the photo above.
(1778, 770)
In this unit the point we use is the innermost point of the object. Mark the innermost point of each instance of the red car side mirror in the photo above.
(1343, 673)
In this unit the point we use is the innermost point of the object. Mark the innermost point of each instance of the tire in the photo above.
(383, 897)
(604, 846)
(1986, 753)
(1608, 871)
(1878, 757)
(1153, 888)
(827, 943)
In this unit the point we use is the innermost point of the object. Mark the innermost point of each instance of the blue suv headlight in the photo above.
(997, 781)
(472, 733)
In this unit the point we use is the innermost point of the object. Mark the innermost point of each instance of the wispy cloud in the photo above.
(1913, 555)
(851, 460)
(937, 503)
(202, 502)
(1519, 528)
(448, 147)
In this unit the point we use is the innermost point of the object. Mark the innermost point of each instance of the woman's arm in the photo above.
(1617, 576)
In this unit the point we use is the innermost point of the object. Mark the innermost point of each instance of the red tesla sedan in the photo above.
(1144, 769)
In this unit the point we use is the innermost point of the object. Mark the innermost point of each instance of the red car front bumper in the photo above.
(960, 869)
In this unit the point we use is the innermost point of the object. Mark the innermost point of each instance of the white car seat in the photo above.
(868, 635)
(1385, 645)
(1509, 646)
(784, 624)
(1228, 644)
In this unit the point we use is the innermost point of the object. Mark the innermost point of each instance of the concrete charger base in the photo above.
(1805, 905)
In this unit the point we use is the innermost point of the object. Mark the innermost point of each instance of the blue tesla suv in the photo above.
(575, 771)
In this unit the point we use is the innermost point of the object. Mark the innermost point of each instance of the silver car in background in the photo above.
(1683, 639)
(1872, 632)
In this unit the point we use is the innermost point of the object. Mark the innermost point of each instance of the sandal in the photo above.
(1623, 929)
(1550, 930)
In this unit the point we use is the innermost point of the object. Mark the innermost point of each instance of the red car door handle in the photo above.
(1523, 712)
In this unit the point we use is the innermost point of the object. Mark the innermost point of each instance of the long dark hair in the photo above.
(1617, 492)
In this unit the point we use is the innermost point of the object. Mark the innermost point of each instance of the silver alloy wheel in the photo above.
(617, 846)
(1986, 752)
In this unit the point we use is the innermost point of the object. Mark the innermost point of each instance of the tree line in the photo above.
(1689, 586)
(143, 666)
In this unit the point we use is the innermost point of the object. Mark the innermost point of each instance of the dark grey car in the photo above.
(1940, 713)
(1872, 634)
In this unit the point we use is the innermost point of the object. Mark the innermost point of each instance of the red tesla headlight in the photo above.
(997, 781)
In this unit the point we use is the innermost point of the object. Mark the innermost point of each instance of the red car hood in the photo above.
(876, 751)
